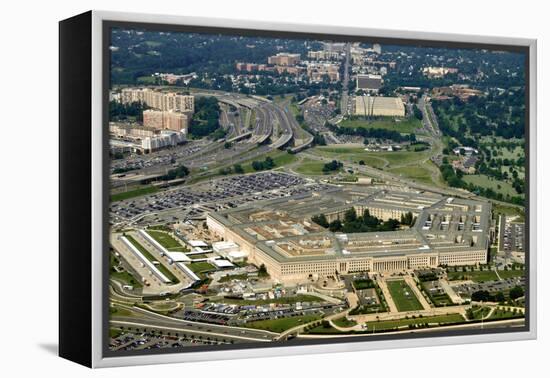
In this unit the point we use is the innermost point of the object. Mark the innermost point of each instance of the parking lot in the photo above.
(511, 236)
(215, 195)
(466, 289)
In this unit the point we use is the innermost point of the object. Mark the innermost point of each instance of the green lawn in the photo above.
(201, 266)
(282, 324)
(479, 312)
(198, 256)
(344, 322)
(398, 158)
(350, 155)
(133, 193)
(486, 182)
(164, 239)
(125, 278)
(504, 274)
(416, 173)
(280, 158)
(386, 325)
(152, 258)
(402, 125)
(311, 167)
(179, 249)
(403, 296)
(505, 153)
(114, 333)
(118, 311)
(509, 210)
(501, 313)
(382, 159)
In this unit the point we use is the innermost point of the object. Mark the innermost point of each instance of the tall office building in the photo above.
(166, 120)
(159, 100)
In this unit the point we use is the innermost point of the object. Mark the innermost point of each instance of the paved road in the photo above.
(495, 324)
(345, 82)
(389, 300)
(151, 319)
(148, 325)
(455, 298)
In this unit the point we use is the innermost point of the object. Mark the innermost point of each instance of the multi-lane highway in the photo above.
(345, 82)
(145, 319)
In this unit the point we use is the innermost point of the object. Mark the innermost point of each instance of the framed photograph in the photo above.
(234, 189)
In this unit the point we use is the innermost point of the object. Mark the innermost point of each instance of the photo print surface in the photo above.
(276, 189)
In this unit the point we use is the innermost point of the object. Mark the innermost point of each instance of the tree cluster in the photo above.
(175, 173)
(205, 121)
(266, 164)
(332, 166)
(353, 223)
(374, 133)
(123, 112)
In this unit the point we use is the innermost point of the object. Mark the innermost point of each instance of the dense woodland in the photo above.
(205, 120)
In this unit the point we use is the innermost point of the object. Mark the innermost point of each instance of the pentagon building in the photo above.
(280, 234)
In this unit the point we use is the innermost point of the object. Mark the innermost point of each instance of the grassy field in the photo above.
(479, 312)
(403, 296)
(310, 167)
(504, 274)
(350, 155)
(125, 277)
(133, 193)
(118, 311)
(505, 153)
(508, 169)
(509, 210)
(281, 325)
(201, 266)
(198, 256)
(152, 258)
(281, 158)
(344, 322)
(402, 125)
(166, 240)
(501, 313)
(486, 182)
(380, 160)
(399, 158)
(114, 333)
(396, 324)
(416, 173)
